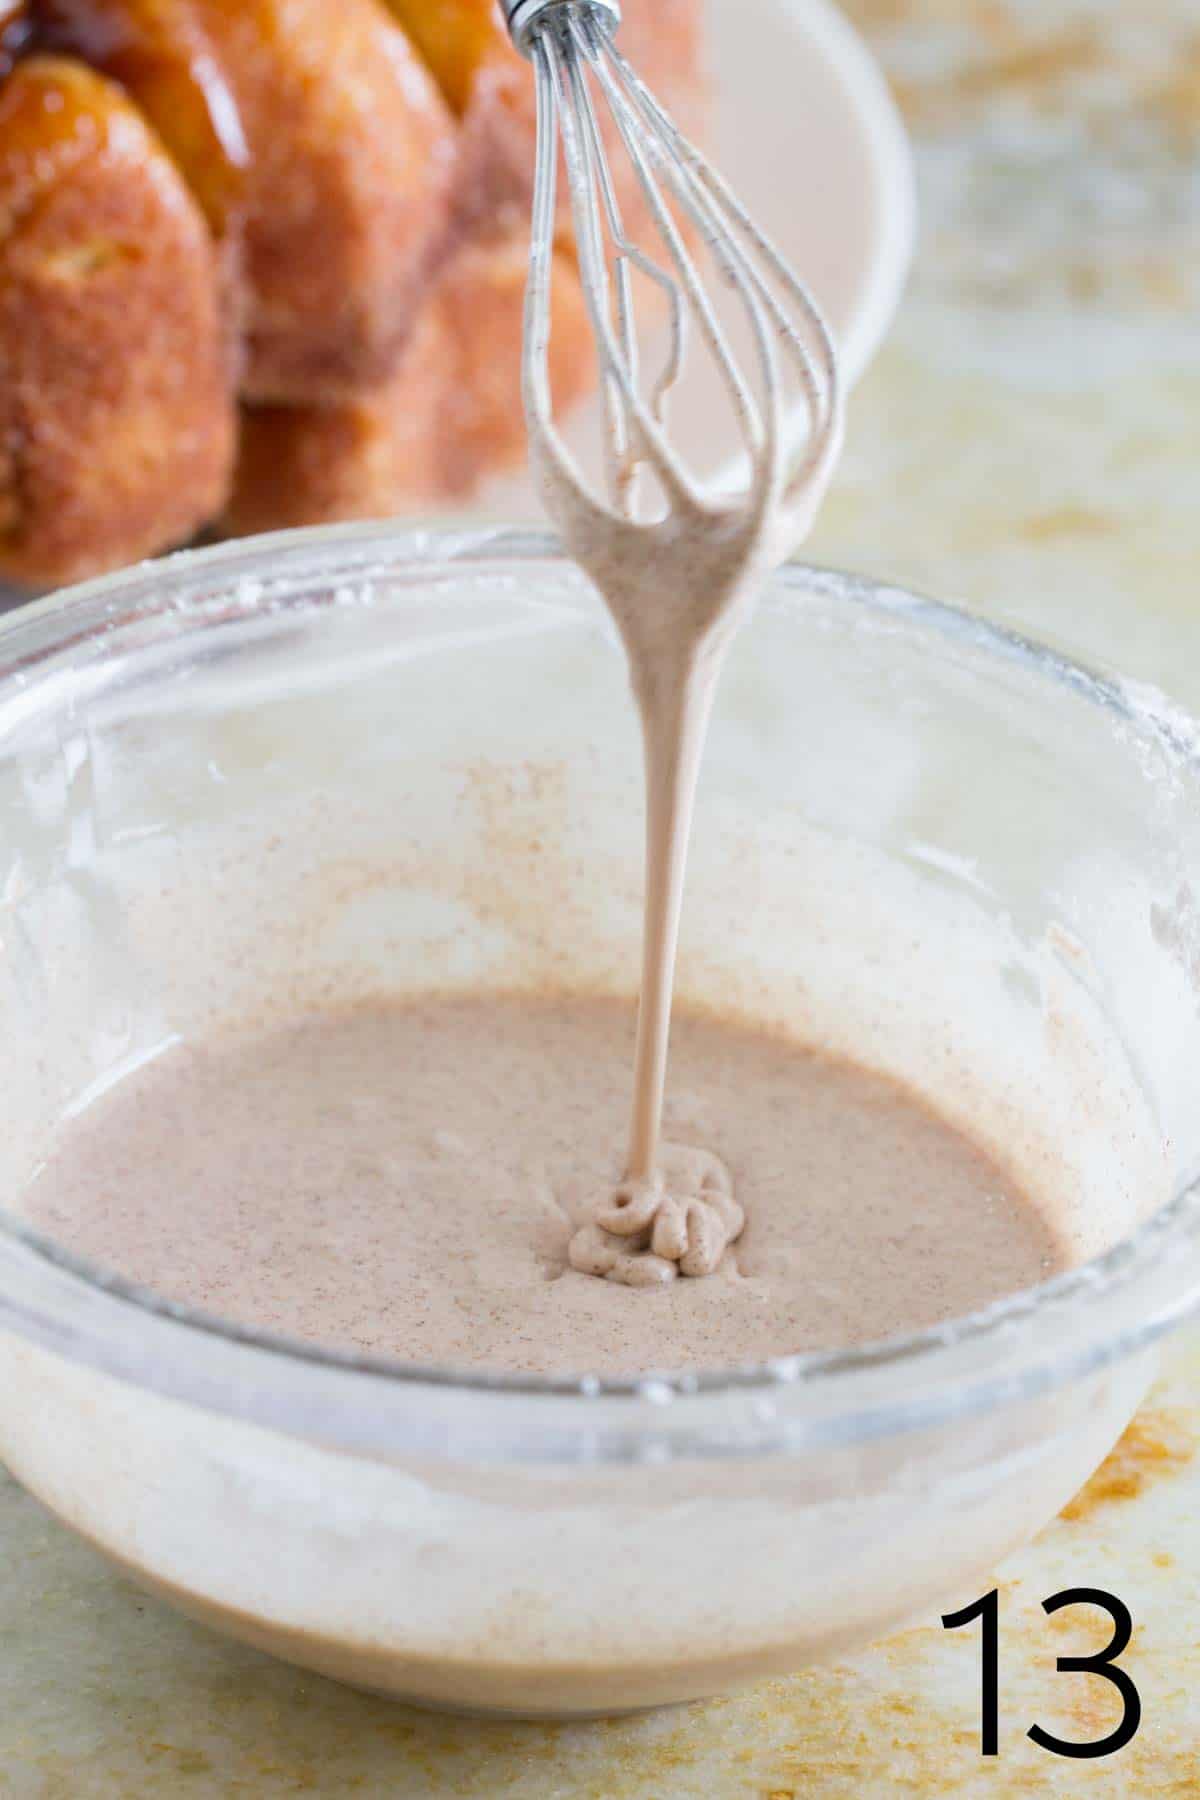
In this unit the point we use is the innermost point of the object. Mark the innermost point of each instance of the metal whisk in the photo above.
(581, 77)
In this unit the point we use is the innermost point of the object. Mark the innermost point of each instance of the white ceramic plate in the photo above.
(808, 135)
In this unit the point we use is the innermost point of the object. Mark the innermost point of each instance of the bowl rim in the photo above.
(1160, 1258)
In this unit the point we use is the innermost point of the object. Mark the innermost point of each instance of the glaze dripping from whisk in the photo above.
(676, 583)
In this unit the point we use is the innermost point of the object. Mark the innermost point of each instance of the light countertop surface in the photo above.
(1028, 443)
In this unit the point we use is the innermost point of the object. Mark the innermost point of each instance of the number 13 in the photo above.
(1101, 1663)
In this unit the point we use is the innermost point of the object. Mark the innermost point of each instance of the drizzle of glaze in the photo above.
(678, 1221)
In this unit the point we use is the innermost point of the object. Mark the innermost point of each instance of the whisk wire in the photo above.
(821, 393)
(652, 443)
(684, 199)
(627, 255)
(640, 148)
(585, 160)
(536, 361)
(623, 466)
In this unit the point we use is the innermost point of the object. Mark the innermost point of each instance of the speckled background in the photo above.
(1027, 443)
(1028, 440)
(104, 1694)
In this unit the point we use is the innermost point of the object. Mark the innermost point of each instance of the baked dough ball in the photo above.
(117, 422)
(315, 131)
(452, 412)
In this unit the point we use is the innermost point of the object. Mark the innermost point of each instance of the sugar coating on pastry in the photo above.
(317, 134)
(450, 414)
(117, 423)
(336, 202)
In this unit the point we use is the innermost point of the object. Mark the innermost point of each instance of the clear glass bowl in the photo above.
(916, 832)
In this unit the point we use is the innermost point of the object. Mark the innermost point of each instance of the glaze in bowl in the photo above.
(921, 841)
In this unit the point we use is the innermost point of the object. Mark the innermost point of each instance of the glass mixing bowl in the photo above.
(920, 840)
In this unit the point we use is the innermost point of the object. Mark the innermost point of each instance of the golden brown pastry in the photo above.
(453, 411)
(117, 424)
(450, 414)
(321, 126)
(490, 89)
(456, 38)
(158, 52)
(314, 209)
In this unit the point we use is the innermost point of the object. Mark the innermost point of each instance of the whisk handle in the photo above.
(525, 17)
